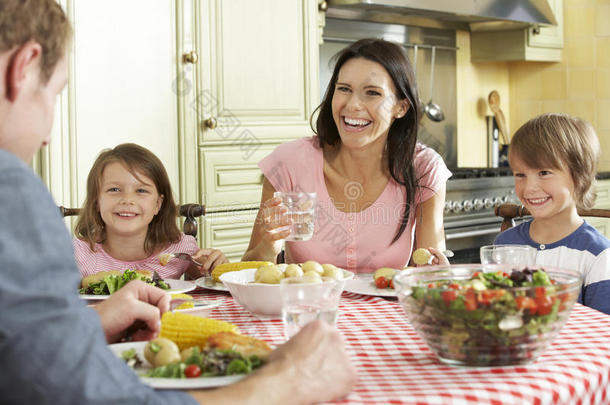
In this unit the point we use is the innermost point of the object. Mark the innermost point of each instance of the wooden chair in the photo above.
(511, 211)
(189, 211)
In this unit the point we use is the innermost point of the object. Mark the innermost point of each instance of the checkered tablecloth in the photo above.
(395, 366)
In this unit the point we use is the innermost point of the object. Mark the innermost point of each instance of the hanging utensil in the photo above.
(494, 104)
(433, 111)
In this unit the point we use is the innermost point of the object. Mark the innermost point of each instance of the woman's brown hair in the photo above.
(162, 230)
(562, 142)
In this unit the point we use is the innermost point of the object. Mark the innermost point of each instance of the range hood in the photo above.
(474, 15)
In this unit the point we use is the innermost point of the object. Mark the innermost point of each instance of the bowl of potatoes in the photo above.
(258, 290)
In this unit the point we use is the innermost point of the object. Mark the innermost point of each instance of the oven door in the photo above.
(465, 234)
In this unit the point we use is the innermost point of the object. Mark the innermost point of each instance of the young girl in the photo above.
(554, 160)
(129, 219)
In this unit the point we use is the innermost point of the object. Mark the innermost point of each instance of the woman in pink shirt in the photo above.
(129, 219)
(380, 194)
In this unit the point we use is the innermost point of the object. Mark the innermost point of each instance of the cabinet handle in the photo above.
(190, 57)
(323, 6)
(210, 123)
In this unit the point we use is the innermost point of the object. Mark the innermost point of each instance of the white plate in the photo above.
(216, 287)
(171, 383)
(364, 284)
(202, 308)
(176, 287)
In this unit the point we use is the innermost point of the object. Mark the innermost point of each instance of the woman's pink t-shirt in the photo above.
(91, 262)
(357, 241)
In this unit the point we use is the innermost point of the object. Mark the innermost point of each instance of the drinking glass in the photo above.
(301, 210)
(304, 301)
(517, 255)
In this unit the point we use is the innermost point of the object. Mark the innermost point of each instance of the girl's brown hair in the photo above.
(162, 230)
(562, 142)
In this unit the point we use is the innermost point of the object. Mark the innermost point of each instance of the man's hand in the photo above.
(136, 301)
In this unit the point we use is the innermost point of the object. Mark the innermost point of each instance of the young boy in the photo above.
(554, 160)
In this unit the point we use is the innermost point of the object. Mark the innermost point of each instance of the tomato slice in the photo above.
(381, 282)
(544, 304)
(192, 371)
(449, 296)
(470, 301)
(526, 303)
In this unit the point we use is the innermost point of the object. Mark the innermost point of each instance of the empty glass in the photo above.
(516, 255)
(301, 210)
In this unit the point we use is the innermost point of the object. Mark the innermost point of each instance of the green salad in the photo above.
(200, 363)
(490, 318)
(112, 283)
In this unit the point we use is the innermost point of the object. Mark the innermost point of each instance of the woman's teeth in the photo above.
(537, 200)
(123, 214)
(356, 122)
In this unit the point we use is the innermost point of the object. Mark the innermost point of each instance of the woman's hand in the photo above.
(136, 301)
(208, 259)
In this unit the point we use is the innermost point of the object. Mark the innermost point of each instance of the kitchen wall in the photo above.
(578, 85)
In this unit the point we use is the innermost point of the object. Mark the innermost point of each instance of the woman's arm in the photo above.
(265, 243)
(429, 231)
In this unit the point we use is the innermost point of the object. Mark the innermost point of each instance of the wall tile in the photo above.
(602, 15)
(602, 83)
(580, 21)
(525, 110)
(554, 83)
(579, 52)
(604, 141)
(581, 83)
(584, 109)
(602, 51)
(603, 114)
(560, 106)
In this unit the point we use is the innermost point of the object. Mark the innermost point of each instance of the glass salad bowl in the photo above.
(487, 315)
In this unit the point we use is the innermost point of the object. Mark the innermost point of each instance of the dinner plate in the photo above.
(171, 383)
(364, 284)
(176, 287)
(216, 286)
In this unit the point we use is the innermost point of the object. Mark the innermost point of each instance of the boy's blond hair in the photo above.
(41, 21)
(562, 142)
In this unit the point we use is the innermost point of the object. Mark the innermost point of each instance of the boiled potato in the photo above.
(386, 272)
(312, 277)
(332, 271)
(312, 265)
(293, 270)
(161, 351)
(186, 353)
(270, 274)
(422, 256)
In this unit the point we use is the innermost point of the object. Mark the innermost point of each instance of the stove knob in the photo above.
(488, 203)
(478, 204)
(506, 199)
(497, 201)
(467, 205)
(448, 206)
(457, 206)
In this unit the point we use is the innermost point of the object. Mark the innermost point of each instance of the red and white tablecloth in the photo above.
(395, 366)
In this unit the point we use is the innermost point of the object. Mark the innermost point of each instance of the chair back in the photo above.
(189, 211)
(511, 211)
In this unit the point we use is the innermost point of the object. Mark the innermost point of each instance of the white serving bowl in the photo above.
(258, 298)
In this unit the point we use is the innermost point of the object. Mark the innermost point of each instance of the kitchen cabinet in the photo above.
(248, 82)
(543, 44)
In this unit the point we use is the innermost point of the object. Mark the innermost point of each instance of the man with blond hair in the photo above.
(53, 348)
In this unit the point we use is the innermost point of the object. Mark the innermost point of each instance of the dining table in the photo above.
(395, 366)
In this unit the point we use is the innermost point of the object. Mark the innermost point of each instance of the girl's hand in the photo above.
(275, 224)
(208, 258)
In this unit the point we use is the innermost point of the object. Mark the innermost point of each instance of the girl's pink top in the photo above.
(91, 262)
(357, 241)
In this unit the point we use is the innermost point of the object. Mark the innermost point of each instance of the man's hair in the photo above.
(559, 141)
(41, 21)
(138, 160)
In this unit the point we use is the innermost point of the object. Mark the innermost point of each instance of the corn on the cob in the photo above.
(227, 267)
(185, 305)
(190, 330)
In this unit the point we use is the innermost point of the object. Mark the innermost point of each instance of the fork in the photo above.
(166, 257)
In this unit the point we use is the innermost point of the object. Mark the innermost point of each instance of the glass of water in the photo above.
(301, 210)
(304, 301)
(517, 255)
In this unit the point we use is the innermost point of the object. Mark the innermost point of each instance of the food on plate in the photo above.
(164, 258)
(489, 314)
(161, 351)
(274, 273)
(270, 274)
(227, 267)
(311, 265)
(185, 305)
(190, 330)
(383, 277)
(246, 345)
(107, 282)
(422, 256)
